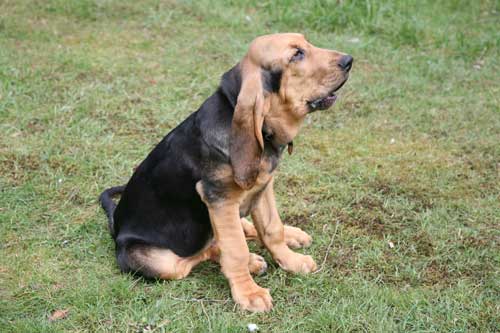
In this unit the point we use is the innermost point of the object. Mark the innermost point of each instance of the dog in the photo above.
(187, 201)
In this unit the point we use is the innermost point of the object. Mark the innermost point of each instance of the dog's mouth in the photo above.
(326, 101)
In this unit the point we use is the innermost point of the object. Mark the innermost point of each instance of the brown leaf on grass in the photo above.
(57, 286)
(58, 314)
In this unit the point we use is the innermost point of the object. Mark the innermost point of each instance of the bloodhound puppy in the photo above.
(187, 200)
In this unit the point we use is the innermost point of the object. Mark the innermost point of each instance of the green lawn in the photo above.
(409, 156)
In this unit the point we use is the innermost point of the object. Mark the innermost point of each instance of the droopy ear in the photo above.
(246, 142)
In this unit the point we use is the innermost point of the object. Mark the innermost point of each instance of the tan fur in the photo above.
(294, 237)
(249, 230)
(272, 233)
(165, 264)
(235, 256)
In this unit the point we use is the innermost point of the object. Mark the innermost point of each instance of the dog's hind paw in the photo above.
(257, 265)
(295, 238)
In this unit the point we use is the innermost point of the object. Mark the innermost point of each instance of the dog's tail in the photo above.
(109, 205)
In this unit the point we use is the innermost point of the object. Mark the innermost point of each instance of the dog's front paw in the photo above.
(296, 238)
(296, 262)
(257, 264)
(253, 298)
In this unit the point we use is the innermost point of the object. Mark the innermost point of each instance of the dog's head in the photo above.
(281, 79)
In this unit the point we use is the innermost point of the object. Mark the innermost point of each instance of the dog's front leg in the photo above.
(272, 233)
(234, 253)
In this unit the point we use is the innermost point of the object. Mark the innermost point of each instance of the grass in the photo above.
(409, 155)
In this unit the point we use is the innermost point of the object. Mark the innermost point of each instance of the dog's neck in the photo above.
(282, 122)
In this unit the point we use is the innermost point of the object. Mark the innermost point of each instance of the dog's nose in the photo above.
(346, 63)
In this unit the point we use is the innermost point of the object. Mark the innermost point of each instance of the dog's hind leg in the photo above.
(153, 262)
(256, 264)
(249, 230)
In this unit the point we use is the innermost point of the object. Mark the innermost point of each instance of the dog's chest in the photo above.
(250, 197)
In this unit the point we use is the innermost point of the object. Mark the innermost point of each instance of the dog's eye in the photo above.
(299, 55)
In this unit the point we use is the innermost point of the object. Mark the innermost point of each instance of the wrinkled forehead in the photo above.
(269, 50)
